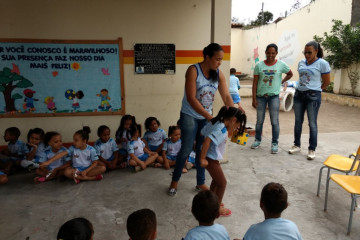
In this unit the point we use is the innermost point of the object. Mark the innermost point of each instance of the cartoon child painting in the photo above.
(50, 104)
(29, 100)
(75, 96)
(104, 95)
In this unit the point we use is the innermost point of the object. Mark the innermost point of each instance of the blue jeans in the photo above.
(274, 104)
(309, 101)
(190, 131)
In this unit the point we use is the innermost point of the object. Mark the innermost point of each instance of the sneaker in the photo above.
(294, 149)
(256, 144)
(274, 148)
(172, 192)
(311, 155)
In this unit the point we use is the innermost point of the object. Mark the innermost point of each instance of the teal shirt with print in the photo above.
(270, 77)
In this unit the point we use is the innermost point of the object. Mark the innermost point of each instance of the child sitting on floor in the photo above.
(76, 229)
(205, 208)
(121, 136)
(154, 136)
(15, 152)
(139, 156)
(36, 153)
(273, 201)
(141, 225)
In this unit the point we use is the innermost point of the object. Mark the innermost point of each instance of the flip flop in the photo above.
(39, 179)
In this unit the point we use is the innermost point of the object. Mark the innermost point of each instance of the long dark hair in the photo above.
(210, 51)
(317, 47)
(132, 130)
(121, 129)
(226, 113)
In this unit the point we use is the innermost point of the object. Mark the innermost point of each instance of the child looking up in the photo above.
(83, 158)
(139, 156)
(53, 142)
(216, 133)
(205, 208)
(107, 149)
(154, 136)
(273, 202)
(141, 225)
(36, 153)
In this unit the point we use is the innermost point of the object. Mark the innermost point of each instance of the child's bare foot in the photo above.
(202, 187)
(142, 165)
(224, 212)
(138, 168)
(189, 165)
(184, 170)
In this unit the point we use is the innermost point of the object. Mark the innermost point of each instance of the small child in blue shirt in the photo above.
(107, 149)
(141, 225)
(53, 142)
(154, 136)
(234, 87)
(273, 202)
(36, 153)
(121, 137)
(216, 133)
(139, 156)
(15, 152)
(83, 157)
(205, 208)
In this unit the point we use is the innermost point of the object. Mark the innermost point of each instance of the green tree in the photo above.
(343, 44)
(8, 82)
(268, 16)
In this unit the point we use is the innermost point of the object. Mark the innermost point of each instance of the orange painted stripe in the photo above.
(182, 56)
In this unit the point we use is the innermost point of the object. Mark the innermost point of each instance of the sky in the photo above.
(247, 10)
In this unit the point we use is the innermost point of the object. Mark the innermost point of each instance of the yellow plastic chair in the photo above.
(351, 184)
(339, 163)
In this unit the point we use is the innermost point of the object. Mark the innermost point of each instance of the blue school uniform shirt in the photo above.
(136, 147)
(123, 144)
(205, 93)
(172, 148)
(20, 148)
(234, 85)
(58, 163)
(218, 134)
(106, 150)
(273, 229)
(192, 157)
(155, 138)
(213, 232)
(82, 158)
(40, 153)
(310, 75)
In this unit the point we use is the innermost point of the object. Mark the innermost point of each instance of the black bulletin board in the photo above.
(154, 58)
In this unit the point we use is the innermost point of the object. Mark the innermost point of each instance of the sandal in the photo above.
(123, 165)
(201, 187)
(224, 212)
(172, 192)
(39, 179)
(99, 177)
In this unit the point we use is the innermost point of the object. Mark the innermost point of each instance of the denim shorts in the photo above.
(172, 158)
(235, 97)
(143, 157)
(81, 168)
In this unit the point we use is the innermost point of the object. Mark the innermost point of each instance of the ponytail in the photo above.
(172, 129)
(317, 47)
(84, 133)
(229, 112)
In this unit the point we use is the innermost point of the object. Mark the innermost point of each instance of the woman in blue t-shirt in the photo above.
(314, 76)
(201, 83)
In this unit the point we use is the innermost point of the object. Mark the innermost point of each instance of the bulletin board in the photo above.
(61, 77)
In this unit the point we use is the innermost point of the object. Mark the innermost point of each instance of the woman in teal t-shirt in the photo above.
(265, 91)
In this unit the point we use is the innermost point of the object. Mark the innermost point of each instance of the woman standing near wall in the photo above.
(314, 73)
(265, 91)
(201, 83)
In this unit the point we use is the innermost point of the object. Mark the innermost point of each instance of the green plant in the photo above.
(330, 88)
(343, 45)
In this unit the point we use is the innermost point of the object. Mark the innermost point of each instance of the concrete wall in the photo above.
(185, 23)
(290, 34)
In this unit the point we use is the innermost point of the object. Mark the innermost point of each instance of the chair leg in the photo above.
(319, 182)
(353, 200)
(326, 193)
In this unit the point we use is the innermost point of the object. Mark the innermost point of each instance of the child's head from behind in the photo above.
(174, 133)
(134, 132)
(273, 199)
(152, 124)
(76, 229)
(205, 207)
(103, 133)
(141, 225)
(11, 134)
(53, 139)
(234, 118)
(232, 71)
(35, 136)
(81, 137)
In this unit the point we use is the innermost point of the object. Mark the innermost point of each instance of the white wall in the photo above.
(185, 23)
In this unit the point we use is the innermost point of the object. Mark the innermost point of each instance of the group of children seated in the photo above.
(142, 225)
(45, 151)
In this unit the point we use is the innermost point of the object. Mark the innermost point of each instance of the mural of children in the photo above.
(49, 101)
(78, 95)
(104, 95)
(29, 100)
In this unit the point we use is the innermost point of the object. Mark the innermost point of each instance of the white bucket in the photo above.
(286, 99)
